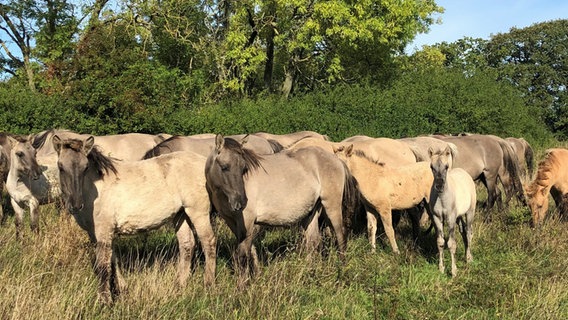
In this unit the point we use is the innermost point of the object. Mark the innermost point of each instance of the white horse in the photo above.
(28, 183)
(452, 199)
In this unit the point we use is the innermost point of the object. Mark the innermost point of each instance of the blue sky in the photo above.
(482, 18)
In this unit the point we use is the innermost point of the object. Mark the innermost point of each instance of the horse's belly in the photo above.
(134, 216)
(283, 211)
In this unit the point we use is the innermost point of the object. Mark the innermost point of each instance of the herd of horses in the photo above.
(124, 184)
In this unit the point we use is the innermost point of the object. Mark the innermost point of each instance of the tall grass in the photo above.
(517, 273)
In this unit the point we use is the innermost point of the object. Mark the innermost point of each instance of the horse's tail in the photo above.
(529, 157)
(511, 162)
(351, 204)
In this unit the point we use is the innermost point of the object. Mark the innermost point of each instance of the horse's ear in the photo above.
(245, 139)
(88, 145)
(219, 142)
(56, 141)
(430, 152)
(13, 141)
(337, 149)
(349, 150)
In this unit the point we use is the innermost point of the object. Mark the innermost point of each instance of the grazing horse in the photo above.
(452, 201)
(487, 159)
(27, 184)
(204, 145)
(385, 188)
(281, 189)
(551, 177)
(109, 198)
(525, 154)
(127, 147)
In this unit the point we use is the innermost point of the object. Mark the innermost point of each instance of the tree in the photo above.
(535, 59)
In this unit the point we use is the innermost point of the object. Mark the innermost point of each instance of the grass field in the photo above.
(517, 273)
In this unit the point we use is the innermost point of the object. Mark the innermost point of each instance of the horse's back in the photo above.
(390, 151)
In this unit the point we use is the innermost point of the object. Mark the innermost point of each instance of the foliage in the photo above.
(535, 60)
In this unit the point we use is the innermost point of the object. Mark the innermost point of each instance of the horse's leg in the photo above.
(103, 269)
(186, 244)
(440, 241)
(452, 244)
(34, 216)
(19, 217)
(118, 283)
(206, 236)
(372, 229)
(312, 237)
(467, 233)
(335, 215)
(386, 218)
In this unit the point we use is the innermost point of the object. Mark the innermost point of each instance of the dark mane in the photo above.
(39, 139)
(275, 145)
(362, 154)
(252, 160)
(102, 164)
(155, 151)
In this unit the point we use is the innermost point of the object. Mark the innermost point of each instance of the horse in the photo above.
(420, 146)
(452, 201)
(525, 154)
(389, 151)
(385, 188)
(127, 147)
(204, 145)
(488, 159)
(108, 198)
(551, 177)
(27, 184)
(249, 190)
(357, 138)
(289, 138)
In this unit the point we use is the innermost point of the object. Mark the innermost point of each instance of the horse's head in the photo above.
(72, 161)
(440, 163)
(343, 152)
(23, 158)
(226, 167)
(538, 203)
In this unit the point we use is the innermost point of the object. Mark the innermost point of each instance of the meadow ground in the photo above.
(517, 273)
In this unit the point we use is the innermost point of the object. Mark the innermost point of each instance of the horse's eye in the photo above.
(224, 167)
(20, 154)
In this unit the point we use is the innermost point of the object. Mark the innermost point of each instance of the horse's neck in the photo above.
(365, 168)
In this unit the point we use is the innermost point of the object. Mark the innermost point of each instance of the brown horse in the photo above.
(204, 145)
(281, 189)
(385, 188)
(109, 198)
(551, 177)
(488, 159)
(452, 202)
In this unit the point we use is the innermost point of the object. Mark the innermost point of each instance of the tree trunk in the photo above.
(269, 65)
